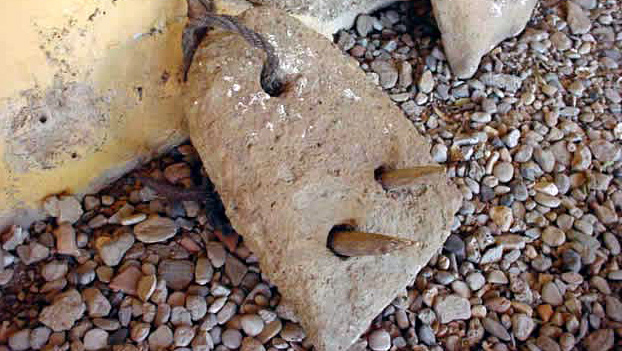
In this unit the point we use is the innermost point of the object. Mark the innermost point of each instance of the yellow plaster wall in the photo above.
(122, 56)
(90, 90)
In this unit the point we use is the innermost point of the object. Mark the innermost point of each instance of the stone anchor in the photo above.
(307, 174)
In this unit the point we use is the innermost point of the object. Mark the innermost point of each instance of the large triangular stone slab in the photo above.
(289, 168)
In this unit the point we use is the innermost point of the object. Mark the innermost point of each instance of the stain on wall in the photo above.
(49, 128)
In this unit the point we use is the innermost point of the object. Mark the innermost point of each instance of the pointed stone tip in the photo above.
(349, 243)
(404, 177)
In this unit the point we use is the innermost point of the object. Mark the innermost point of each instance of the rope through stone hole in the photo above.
(271, 80)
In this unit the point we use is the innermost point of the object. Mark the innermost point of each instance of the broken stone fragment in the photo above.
(66, 309)
(333, 129)
(127, 280)
(96, 302)
(13, 237)
(112, 249)
(66, 240)
(471, 28)
(64, 208)
(33, 252)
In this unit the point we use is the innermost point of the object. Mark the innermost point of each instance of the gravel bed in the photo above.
(533, 141)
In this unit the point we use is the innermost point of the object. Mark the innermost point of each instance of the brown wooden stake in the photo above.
(354, 243)
(403, 177)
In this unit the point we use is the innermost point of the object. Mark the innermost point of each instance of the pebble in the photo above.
(155, 229)
(39, 337)
(492, 255)
(32, 253)
(235, 270)
(161, 338)
(504, 171)
(522, 326)
(13, 237)
(379, 340)
(20, 340)
(502, 217)
(545, 159)
(226, 312)
(178, 274)
(140, 331)
(613, 308)
(426, 335)
(387, 72)
(496, 329)
(452, 307)
(146, 286)
(292, 332)
(553, 236)
(252, 324)
(127, 280)
(66, 240)
(439, 153)
(96, 303)
(54, 270)
(112, 249)
(251, 344)
(231, 338)
(599, 340)
(197, 306)
(561, 41)
(551, 294)
(547, 200)
(183, 335)
(95, 339)
(216, 253)
(577, 19)
(547, 343)
(476, 281)
(364, 25)
(605, 151)
(497, 277)
(426, 82)
(572, 260)
(66, 309)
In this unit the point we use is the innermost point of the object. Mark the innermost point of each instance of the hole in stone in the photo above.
(43, 119)
(271, 83)
(378, 173)
(330, 244)
(74, 155)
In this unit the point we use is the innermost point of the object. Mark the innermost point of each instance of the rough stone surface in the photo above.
(471, 28)
(333, 182)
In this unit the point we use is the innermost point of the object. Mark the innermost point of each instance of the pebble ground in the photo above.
(533, 141)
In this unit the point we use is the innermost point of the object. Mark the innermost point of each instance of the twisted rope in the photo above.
(270, 78)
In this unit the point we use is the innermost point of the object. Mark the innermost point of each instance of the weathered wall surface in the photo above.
(90, 89)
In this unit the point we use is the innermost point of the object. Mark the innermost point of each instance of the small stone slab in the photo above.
(289, 168)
